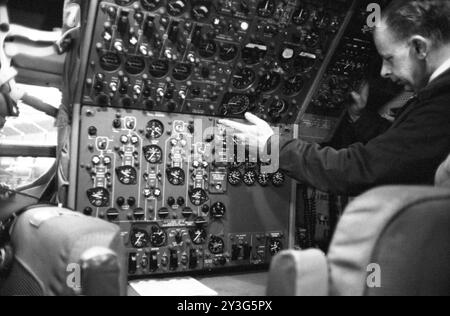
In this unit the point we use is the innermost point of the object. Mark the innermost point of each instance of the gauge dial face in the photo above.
(244, 78)
(228, 52)
(124, 2)
(98, 197)
(266, 8)
(250, 177)
(159, 68)
(151, 5)
(176, 176)
(263, 179)
(198, 197)
(198, 235)
(135, 65)
(238, 104)
(110, 61)
(181, 72)
(275, 246)
(127, 175)
(216, 245)
(153, 154)
(278, 179)
(218, 210)
(278, 106)
(154, 129)
(176, 7)
(321, 20)
(312, 39)
(207, 48)
(301, 16)
(269, 81)
(234, 177)
(139, 238)
(158, 237)
(293, 85)
(201, 10)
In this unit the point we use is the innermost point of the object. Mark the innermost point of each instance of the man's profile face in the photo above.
(400, 62)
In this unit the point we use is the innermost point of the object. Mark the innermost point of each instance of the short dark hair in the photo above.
(428, 18)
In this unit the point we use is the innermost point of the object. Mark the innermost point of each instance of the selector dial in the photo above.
(301, 15)
(176, 176)
(127, 175)
(278, 179)
(275, 246)
(263, 179)
(293, 85)
(207, 48)
(198, 197)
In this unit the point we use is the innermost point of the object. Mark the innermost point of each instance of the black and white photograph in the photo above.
(222, 154)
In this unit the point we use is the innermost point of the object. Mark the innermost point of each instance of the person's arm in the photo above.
(406, 154)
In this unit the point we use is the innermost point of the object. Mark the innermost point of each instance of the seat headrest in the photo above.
(443, 174)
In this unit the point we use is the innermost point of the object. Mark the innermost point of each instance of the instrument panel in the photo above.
(213, 58)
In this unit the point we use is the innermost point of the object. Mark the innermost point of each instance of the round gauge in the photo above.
(198, 197)
(127, 175)
(304, 63)
(234, 177)
(98, 197)
(301, 15)
(253, 53)
(176, 7)
(266, 8)
(278, 106)
(158, 237)
(293, 85)
(250, 177)
(238, 104)
(154, 129)
(201, 10)
(135, 65)
(216, 245)
(151, 5)
(110, 61)
(263, 179)
(269, 81)
(278, 179)
(139, 238)
(207, 49)
(243, 78)
(153, 154)
(159, 68)
(198, 235)
(181, 72)
(218, 210)
(228, 52)
(176, 176)
(275, 246)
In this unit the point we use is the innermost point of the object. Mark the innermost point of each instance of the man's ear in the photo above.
(421, 46)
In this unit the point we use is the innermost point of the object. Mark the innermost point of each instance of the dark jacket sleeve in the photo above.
(408, 153)
(370, 126)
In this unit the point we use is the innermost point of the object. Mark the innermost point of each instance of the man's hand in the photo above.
(360, 102)
(257, 133)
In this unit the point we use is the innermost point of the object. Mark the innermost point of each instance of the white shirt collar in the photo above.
(443, 68)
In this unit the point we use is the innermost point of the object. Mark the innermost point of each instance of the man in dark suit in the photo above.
(413, 39)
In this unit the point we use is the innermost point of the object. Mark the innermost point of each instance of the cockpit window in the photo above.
(31, 128)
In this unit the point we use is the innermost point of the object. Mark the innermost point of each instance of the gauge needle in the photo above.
(97, 195)
(198, 235)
